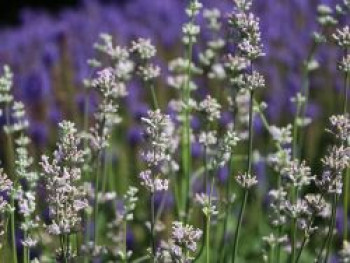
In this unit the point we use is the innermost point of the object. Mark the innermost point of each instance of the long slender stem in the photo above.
(125, 223)
(154, 97)
(239, 224)
(25, 248)
(208, 240)
(294, 227)
(227, 208)
(346, 204)
(87, 218)
(303, 244)
(13, 230)
(12, 200)
(306, 87)
(28, 254)
(206, 220)
(249, 169)
(271, 254)
(331, 230)
(187, 130)
(294, 190)
(347, 171)
(295, 132)
(346, 89)
(250, 149)
(279, 148)
(99, 160)
(293, 238)
(153, 242)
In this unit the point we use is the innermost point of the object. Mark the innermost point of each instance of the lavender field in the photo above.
(176, 131)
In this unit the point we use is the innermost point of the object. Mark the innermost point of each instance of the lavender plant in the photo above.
(76, 204)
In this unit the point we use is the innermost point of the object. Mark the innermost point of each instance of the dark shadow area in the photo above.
(10, 10)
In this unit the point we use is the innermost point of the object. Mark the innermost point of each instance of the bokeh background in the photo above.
(48, 43)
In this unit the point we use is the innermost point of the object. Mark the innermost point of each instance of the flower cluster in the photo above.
(110, 83)
(6, 82)
(342, 37)
(158, 134)
(191, 30)
(183, 241)
(66, 197)
(247, 26)
(297, 174)
(118, 227)
(19, 122)
(207, 122)
(26, 196)
(5, 188)
(246, 180)
(206, 202)
(210, 108)
(144, 52)
(340, 127)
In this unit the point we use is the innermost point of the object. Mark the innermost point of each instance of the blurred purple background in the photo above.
(48, 49)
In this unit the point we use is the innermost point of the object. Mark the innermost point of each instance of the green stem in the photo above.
(293, 238)
(186, 142)
(250, 149)
(208, 240)
(279, 148)
(295, 132)
(303, 244)
(306, 86)
(125, 247)
(249, 170)
(347, 172)
(279, 230)
(331, 230)
(346, 88)
(346, 204)
(25, 258)
(227, 208)
(294, 226)
(98, 171)
(154, 97)
(239, 224)
(13, 230)
(271, 254)
(11, 175)
(208, 222)
(294, 190)
(87, 218)
(153, 242)
(105, 174)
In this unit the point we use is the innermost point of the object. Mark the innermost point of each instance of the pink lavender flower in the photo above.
(210, 108)
(340, 126)
(66, 197)
(297, 174)
(5, 188)
(184, 238)
(246, 180)
(342, 37)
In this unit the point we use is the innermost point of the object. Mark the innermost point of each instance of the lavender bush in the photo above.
(96, 196)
